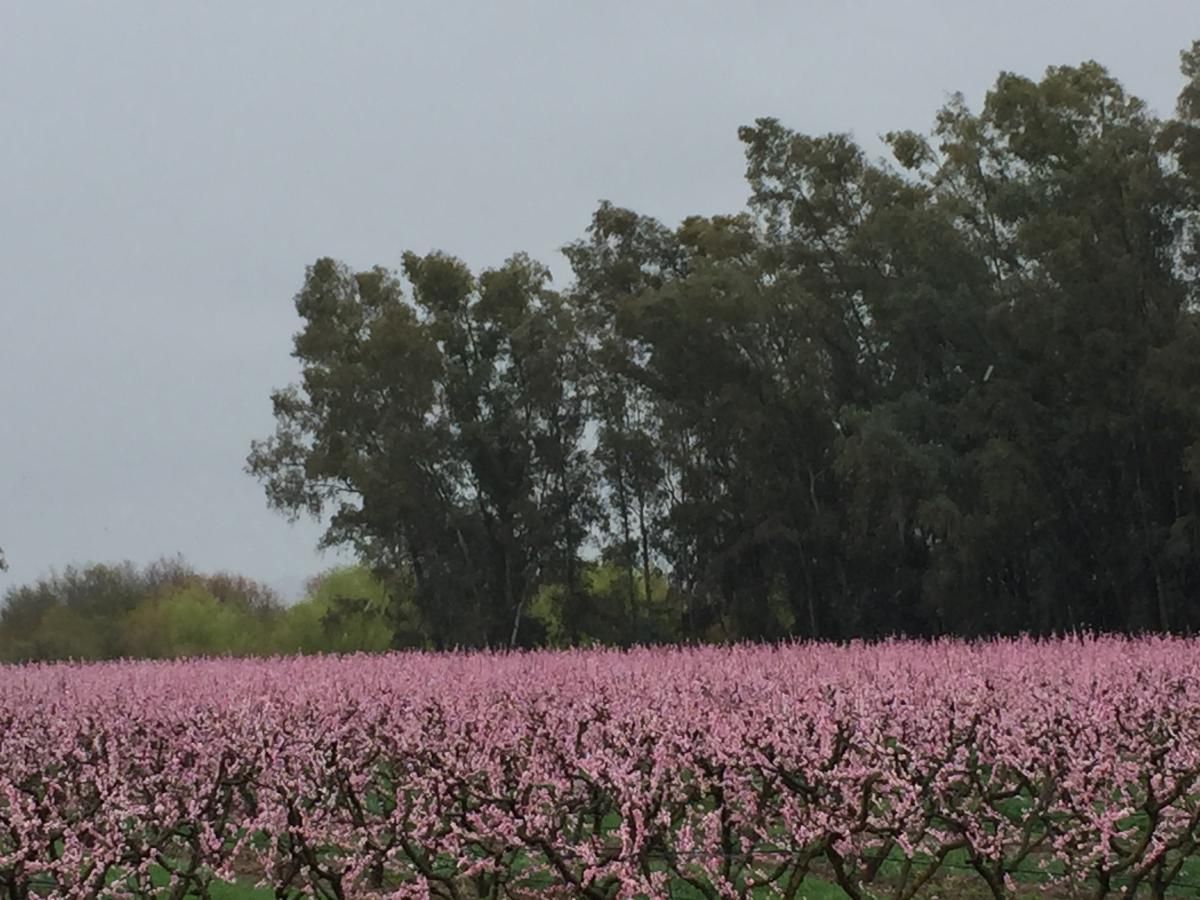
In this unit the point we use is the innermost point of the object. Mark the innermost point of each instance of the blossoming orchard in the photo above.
(890, 770)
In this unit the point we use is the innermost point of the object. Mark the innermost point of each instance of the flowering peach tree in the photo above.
(736, 772)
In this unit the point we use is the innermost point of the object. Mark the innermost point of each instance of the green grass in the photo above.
(955, 878)
(953, 883)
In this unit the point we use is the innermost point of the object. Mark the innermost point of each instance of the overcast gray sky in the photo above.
(167, 170)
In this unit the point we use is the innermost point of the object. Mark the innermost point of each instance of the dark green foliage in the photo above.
(953, 393)
(445, 433)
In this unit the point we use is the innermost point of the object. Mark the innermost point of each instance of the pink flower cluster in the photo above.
(607, 774)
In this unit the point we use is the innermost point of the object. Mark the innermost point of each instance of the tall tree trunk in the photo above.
(645, 538)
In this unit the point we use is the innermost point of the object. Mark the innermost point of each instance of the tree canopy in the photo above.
(167, 609)
(956, 391)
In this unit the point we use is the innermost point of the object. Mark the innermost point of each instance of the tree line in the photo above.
(167, 610)
(954, 391)
(951, 392)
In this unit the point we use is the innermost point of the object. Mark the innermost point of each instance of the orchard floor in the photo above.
(954, 884)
